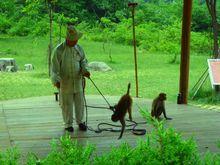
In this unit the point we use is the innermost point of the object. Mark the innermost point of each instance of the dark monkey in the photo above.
(120, 110)
(158, 106)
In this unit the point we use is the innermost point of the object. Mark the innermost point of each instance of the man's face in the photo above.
(71, 38)
(71, 43)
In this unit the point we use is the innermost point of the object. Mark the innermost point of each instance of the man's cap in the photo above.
(72, 34)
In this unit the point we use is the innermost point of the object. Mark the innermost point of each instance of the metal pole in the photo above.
(133, 5)
(185, 51)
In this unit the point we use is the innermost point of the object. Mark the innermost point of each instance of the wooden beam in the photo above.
(185, 52)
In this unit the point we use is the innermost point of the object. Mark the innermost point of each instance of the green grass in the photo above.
(155, 73)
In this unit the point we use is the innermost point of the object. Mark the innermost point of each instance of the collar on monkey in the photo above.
(112, 108)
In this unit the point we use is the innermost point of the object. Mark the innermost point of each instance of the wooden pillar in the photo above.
(185, 52)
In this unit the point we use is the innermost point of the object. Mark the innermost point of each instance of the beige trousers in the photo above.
(67, 101)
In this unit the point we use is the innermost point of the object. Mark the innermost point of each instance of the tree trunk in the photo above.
(50, 44)
(215, 37)
(211, 4)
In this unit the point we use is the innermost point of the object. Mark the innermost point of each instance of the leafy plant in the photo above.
(10, 156)
(5, 23)
(66, 151)
(168, 146)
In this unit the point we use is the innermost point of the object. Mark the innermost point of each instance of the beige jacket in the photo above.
(68, 66)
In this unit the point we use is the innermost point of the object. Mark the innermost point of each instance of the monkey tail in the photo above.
(129, 86)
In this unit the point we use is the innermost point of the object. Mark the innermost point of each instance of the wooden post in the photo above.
(133, 5)
(185, 52)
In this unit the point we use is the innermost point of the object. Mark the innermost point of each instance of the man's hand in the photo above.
(57, 84)
(86, 74)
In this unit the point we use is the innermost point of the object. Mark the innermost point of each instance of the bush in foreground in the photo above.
(162, 146)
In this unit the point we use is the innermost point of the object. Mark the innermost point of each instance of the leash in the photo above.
(110, 107)
(133, 125)
(99, 129)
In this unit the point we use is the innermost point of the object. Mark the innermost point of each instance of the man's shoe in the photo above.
(82, 126)
(69, 129)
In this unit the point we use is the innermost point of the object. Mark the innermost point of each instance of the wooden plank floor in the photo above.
(32, 123)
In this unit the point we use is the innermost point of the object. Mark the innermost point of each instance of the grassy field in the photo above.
(155, 72)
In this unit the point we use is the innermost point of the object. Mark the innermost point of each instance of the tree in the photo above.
(211, 4)
(62, 20)
(50, 4)
(7, 7)
(200, 18)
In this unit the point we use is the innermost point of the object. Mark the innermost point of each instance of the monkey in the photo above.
(120, 110)
(158, 106)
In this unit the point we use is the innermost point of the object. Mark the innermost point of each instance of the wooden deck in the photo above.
(31, 123)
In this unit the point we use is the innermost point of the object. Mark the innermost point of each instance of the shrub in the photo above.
(10, 156)
(150, 36)
(5, 24)
(66, 151)
(211, 159)
(40, 28)
(22, 27)
(206, 95)
(200, 43)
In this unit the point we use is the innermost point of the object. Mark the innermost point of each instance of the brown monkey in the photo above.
(120, 110)
(158, 106)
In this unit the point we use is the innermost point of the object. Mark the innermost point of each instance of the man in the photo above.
(68, 68)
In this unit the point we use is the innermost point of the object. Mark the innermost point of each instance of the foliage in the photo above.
(168, 146)
(66, 151)
(201, 43)
(207, 95)
(10, 156)
(163, 13)
(7, 7)
(5, 24)
(26, 18)
(22, 28)
(90, 11)
(201, 20)
(151, 37)
(158, 23)
(211, 159)
(6, 12)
